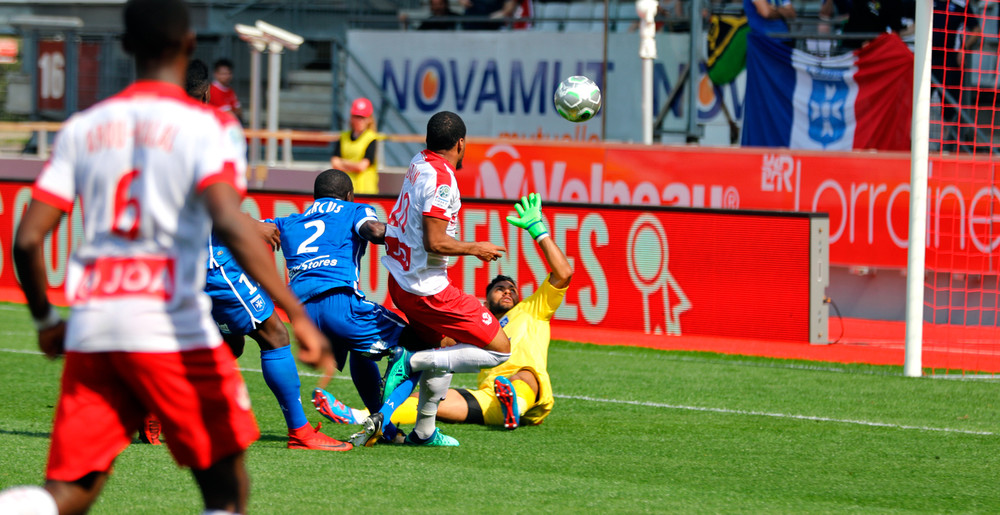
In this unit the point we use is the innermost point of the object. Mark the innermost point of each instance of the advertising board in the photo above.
(642, 270)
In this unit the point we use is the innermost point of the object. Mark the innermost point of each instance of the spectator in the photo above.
(670, 17)
(834, 9)
(354, 152)
(873, 16)
(441, 17)
(221, 94)
(677, 16)
(832, 15)
(497, 9)
(769, 16)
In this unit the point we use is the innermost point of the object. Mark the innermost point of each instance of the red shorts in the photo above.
(199, 397)
(446, 313)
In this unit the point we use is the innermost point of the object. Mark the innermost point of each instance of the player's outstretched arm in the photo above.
(560, 272)
(373, 231)
(237, 232)
(437, 240)
(268, 232)
(37, 222)
(529, 218)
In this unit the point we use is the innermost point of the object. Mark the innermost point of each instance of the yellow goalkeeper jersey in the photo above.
(527, 326)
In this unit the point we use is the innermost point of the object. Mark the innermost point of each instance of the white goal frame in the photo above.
(919, 149)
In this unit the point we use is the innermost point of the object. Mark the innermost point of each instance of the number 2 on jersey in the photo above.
(318, 227)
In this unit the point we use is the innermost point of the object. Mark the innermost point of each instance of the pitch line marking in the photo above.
(681, 407)
(774, 415)
(791, 366)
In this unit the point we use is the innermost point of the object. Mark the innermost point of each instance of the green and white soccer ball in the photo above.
(577, 99)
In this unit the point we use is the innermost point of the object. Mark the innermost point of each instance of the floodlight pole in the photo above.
(277, 40)
(273, 83)
(254, 104)
(694, 70)
(647, 52)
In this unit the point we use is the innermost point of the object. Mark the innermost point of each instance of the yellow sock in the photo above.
(406, 413)
(525, 396)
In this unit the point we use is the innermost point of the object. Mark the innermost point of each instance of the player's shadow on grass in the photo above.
(32, 434)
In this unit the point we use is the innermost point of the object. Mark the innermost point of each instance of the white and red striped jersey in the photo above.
(138, 163)
(429, 189)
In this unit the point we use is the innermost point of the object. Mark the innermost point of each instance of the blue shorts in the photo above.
(352, 323)
(239, 304)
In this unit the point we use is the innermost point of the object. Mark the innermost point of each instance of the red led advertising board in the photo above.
(641, 270)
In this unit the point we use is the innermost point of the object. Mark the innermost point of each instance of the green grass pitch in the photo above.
(633, 430)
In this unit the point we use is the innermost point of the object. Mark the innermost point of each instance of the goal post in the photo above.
(919, 154)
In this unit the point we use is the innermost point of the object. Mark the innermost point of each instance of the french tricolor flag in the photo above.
(859, 100)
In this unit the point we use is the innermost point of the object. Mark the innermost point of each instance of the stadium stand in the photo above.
(550, 16)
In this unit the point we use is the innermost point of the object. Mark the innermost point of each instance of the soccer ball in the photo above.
(577, 99)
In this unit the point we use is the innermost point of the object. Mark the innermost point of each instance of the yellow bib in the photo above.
(365, 181)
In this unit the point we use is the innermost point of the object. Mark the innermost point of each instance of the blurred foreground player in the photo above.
(152, 173)
(241, 308)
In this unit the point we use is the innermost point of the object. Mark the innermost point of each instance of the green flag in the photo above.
(727, 47)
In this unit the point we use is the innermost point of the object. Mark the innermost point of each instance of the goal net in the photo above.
(961, 295)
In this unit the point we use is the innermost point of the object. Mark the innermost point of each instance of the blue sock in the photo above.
(399, 395)
(282, 377)
(396, 398)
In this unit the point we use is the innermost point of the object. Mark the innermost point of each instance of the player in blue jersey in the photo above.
(323, 247)
(241, 308)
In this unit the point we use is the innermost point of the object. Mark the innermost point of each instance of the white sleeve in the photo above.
(56, 185)
(224, 159)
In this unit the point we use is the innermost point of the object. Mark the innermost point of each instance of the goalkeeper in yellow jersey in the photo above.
(519, 390)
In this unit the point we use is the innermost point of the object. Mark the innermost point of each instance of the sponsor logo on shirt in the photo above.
(312, 264)
(442, 196)
(134, 276)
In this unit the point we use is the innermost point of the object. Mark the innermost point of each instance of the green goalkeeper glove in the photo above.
(529, 216)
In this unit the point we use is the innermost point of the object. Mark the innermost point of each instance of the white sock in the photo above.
(433, 388)
(522, 405)
(461, 358)
(359, 414)
(27, 500)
